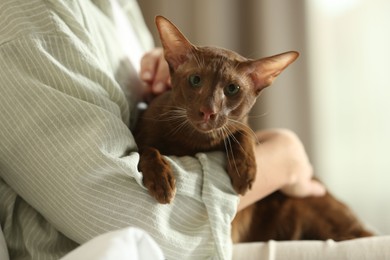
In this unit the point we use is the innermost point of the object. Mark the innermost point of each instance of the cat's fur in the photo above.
(212, 92)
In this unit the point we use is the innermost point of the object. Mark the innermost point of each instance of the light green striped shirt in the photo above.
(68, 162)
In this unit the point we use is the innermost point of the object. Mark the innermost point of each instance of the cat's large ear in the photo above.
(264, 71)
(176, 46)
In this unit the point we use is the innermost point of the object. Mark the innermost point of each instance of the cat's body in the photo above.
(212, 92)
(280, 217)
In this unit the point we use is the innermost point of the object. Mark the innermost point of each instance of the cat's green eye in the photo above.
(195, 80)
(231, 90)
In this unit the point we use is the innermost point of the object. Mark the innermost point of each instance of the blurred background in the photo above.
(336, 97)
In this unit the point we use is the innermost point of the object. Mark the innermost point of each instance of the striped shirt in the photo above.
(68, 162)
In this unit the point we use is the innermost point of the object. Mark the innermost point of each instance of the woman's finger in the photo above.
(161, 80)
(149, 64)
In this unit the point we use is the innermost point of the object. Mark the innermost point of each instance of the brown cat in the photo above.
(212, 92)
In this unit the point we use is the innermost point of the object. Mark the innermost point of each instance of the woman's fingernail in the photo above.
(146, 76)
(158, 87)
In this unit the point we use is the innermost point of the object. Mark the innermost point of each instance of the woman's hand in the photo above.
(155, 73)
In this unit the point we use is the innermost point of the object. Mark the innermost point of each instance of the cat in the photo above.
(213, 90)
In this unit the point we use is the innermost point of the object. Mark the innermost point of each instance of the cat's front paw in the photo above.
(158, 177)
(242, 173)
(162, 186)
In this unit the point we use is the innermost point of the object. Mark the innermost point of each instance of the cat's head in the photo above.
(215, 85)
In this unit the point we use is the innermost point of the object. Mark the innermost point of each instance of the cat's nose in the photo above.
(207, 114)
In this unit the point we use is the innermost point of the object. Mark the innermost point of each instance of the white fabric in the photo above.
(135, 244)
(373, 248)
(129, 243)
(132, 243)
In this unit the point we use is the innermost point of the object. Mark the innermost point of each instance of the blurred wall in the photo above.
(349, 44)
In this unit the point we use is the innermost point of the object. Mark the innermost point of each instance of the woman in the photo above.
(68, 163)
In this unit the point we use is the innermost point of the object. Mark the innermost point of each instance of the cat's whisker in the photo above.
(177, 130)
(254, 54)
(232, 161)
(226, 146)
(197, 60)
(172, 115)
(214, 135)
(235, 139)
(179, 127)
(174, 118)
(258, 116)
(243, 128)
(203, 61)
(236, 66)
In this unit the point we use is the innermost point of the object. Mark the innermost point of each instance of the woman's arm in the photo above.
(282, 163)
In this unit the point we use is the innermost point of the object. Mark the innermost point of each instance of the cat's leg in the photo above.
(241, 165)
(157, 175)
